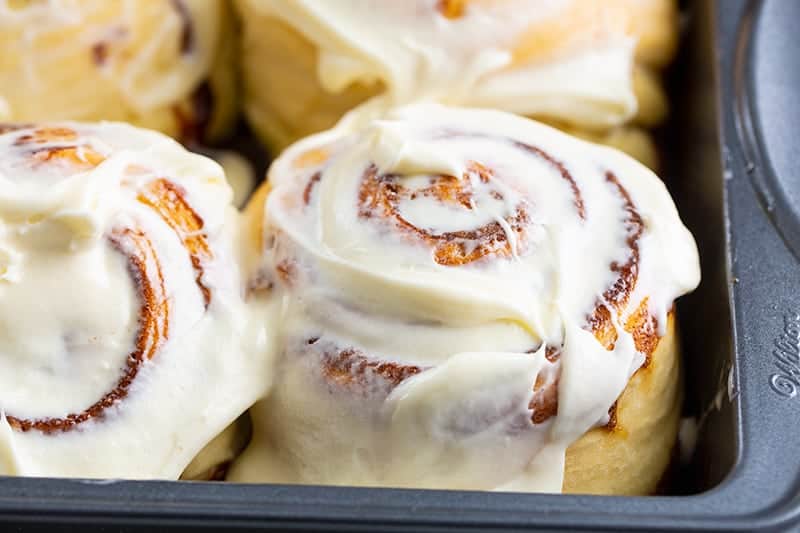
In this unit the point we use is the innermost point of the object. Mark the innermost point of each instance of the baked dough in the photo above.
(468, 300)
(166, 65)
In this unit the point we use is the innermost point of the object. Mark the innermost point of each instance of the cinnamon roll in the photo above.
(586, 64)
(125, 342)
(469, 300)
(166, 65)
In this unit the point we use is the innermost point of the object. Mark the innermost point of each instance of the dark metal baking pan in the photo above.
(731, 162)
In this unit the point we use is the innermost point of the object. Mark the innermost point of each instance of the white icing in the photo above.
(578, 65)
(69, 307)
(476, 331)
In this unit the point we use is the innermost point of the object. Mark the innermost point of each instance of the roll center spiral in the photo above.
(381, 196)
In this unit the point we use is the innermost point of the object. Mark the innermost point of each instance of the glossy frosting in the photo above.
(463, 294)
(568, 60)
(125, 343)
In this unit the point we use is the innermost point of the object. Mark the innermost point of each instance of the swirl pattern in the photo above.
(154, 329)
(379, 198)
(453, 277)
(60, 146)
(117, 280)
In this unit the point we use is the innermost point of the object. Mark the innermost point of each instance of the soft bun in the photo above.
(589, 65)
(469, 300)
(125, 342)
(164, 65)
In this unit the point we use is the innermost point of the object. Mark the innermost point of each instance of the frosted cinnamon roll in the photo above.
(588, 64)
(166, 65)
(469, 300)
(125, 343)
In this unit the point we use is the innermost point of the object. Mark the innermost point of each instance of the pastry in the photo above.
(162, 64)
(469, 300)
(588, 64)
(125, 342)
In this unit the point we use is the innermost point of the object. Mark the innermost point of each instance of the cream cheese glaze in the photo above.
(432, 266)
(567, 60)
(125, 342)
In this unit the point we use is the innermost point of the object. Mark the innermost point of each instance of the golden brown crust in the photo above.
(283, 98)
(630, 458)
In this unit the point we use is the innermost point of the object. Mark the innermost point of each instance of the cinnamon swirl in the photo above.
(125, 343)
(586, 64)
(470, 300)
(166, 65)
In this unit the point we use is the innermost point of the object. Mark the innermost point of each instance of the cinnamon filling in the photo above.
(187, 37)
(544, 404)
(356, 371)
(194, 118)
(154, 313)
(101, 49)
(100, 53)
(310, 187)
(169, 201)
(45, 135)
(352, 369)
(79, 156)
(163, 196)
(6, 127)
(601, 321)
(562, 171)
(380, 195)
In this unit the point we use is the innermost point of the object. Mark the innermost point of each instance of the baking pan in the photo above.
(731, 162)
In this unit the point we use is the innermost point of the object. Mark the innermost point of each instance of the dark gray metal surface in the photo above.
(734, 170)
